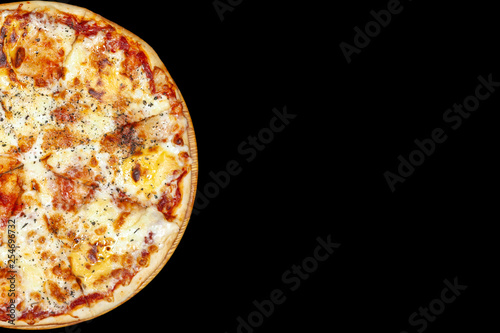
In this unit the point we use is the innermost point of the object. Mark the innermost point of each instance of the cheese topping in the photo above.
(94, 146)
(144, 176)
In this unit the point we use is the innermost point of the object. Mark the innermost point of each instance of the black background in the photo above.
(323, 175)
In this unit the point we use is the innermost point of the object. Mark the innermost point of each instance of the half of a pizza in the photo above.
(98, 165)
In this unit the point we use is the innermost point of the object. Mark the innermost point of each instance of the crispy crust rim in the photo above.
(159, 259)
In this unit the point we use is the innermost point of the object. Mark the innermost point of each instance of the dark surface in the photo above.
(323, 175)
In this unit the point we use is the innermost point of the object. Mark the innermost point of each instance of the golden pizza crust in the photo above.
(80, 315)
(189, 183)
(52, 7)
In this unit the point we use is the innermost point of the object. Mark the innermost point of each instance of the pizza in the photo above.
(98, 165)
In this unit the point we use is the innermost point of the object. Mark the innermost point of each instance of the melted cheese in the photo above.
(35, 171)
(145, 175)
(64, 160)
(112, 81)
(79, 157)
(95, 125)
(135, 229)
(87, 272)
(32, 274)
(39, 33)
(77, 62)
(30, 108)
(147, 105)
(8, 139)
(101, 213)
(130, 238)
(54, 31)
(83, 65)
